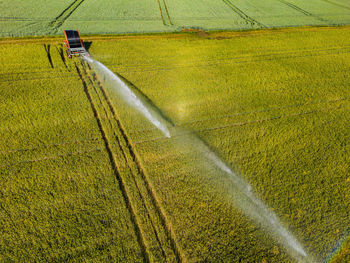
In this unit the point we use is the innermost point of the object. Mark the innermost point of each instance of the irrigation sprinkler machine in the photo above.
(74, 44)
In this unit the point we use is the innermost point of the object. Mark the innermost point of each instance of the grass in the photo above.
(23, 18)
(86, 178)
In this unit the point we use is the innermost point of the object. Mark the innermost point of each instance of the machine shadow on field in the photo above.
(47, 50)
(87, 45)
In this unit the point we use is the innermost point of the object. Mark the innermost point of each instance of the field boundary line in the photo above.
(150, 189)
(300, 10)
(116, 137)
(113, 162)
(243, 15)
(64, 15)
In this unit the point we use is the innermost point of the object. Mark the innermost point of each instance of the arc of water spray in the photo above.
(128, 95)
(253, 207)
(247, 201)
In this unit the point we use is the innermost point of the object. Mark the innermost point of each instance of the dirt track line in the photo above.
(243, 15)
(154, 199)
(122, 186)
(297, 8)
(64, 15)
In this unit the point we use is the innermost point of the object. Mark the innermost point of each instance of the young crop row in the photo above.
(20, 17)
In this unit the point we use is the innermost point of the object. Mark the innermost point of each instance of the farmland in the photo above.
(84, 177)
(28, 18)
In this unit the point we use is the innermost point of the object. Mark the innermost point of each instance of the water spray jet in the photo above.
(245, 198)
(128, 95)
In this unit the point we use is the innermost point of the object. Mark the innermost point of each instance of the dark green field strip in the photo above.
(152, 223)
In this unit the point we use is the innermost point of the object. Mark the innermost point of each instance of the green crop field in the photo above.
(38, 17)
(85, 177)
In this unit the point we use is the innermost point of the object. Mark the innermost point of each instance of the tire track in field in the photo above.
(164, 13)
(124, 157)
(64, 15)
(300, 10)
(244, 16)
(165, 231)
(113, 162)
